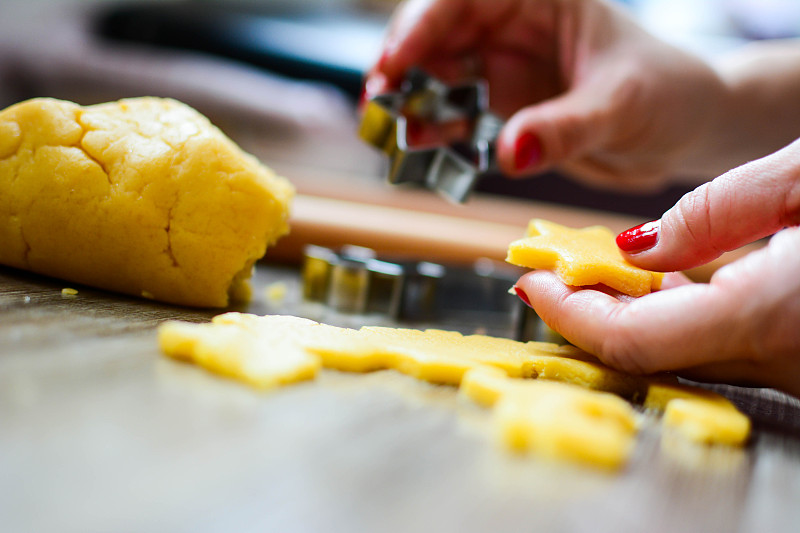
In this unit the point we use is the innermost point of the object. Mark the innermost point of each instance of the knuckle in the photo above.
(572, 134)
(621, 348)
(692, 219)
(567, 132)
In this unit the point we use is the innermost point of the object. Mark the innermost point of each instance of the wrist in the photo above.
(711, 148)
(756, 110)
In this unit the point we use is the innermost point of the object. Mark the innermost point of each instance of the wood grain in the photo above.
(417, 224)
(99, 433)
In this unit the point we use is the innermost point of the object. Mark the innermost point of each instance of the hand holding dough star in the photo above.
(581, 257)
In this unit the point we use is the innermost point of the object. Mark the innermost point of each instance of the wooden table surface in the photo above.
(100, 433)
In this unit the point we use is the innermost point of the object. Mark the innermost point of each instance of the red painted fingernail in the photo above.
(374, 84)
(414, 132)
(522, 295)
(527, 151)
(639, 238)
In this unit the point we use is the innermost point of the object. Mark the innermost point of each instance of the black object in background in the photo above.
(329, 44)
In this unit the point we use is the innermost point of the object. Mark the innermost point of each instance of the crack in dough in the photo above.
(168, 250)
(89, 156)
(140, 196)
(10, 139)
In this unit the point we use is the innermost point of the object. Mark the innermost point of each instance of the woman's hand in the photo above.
(743, 326)
(584, 86)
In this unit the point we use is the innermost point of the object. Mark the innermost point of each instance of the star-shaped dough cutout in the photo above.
(266, 351)
(581, 257)
(241, 347)
(556, 420)
(699, 415)
(555, 401)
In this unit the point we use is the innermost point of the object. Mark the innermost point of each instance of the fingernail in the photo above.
(639, 238)
(522, 295)
(375, 84)
(414, 132)
(388, 48)
(527, 151)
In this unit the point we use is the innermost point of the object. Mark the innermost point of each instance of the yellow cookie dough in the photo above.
(698, 415)
(432, 355)
(444, 356)
(142, 196)
(577, 419)
(588, 373)
(580, 257)
(240, 348)
(555, 420)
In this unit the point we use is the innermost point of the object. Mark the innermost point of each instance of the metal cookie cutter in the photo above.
(449, 166)
(354, 281)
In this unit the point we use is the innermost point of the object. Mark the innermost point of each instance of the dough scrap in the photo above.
(445, 356)
(699, 415)
(432, 355)
(236, 346)
(143, 196)
(584, 418)
(555, 420)
(581, 257)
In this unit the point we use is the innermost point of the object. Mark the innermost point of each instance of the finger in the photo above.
(743, 205)
(440, 34)
(374, 84)
(674, 279)
(378, 79)
(413, 31)
(690, 325)
(417, 28)
(552, 132)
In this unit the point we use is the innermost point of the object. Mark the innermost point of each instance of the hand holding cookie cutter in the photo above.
(450, 167)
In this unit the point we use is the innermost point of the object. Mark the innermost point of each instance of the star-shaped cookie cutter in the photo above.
(451, 167)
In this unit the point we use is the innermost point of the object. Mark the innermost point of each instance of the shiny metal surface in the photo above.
(450, 166)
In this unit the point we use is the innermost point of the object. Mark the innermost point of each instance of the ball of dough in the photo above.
(143, 196)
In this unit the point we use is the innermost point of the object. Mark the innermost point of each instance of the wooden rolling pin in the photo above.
(421, 226)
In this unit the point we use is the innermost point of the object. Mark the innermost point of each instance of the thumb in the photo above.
(553, 131)
(739, 207)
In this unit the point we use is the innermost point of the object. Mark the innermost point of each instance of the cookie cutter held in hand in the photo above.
(449, 166)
